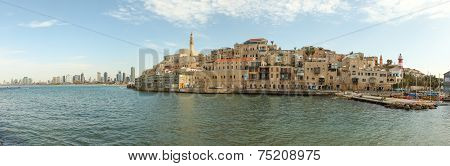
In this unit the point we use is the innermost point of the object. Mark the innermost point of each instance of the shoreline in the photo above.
(20, 86)
(367, 97)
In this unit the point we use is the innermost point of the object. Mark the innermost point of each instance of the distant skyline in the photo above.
(43, 38)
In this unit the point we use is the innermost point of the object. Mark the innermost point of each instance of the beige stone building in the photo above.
(259, 65)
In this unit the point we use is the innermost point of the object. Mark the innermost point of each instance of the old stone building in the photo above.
(258, 65)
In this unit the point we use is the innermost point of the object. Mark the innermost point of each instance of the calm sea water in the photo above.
(105, 115)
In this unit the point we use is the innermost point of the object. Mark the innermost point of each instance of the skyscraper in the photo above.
(105, 77)
(119, 77)
(83, 80)
(99, 77)
(132, 75)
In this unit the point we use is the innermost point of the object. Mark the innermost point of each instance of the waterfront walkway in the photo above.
(389, 102)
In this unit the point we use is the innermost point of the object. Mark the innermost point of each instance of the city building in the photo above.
(132, 75)
(105, 77)
(447, 82)
(99, 77)
(82, 79)
(259, 65)
(56, 80)
(76, 79)
(118, 77)
(26, 81)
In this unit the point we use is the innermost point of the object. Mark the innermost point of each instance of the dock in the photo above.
(389, 102)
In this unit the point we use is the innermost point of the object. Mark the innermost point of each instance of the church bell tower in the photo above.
(191, 45)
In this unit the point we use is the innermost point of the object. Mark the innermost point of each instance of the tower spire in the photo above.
(381, 60)
(191, 45)
(400, 60)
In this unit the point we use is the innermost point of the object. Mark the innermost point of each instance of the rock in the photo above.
(407, 107)
(424, 106)
(417, 107)
(399, 106)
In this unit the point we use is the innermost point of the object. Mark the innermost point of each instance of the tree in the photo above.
(389, 62)
(410, 80)
(310, 50)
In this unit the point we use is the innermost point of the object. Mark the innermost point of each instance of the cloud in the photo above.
(131, 10)
(42, 24)
(10, 52)
(383, 10)
(195, 12)
(198, 12)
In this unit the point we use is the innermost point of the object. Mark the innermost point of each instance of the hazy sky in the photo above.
(59, 38)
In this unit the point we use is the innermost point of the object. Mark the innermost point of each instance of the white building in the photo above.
(99, 77)
(447, 82)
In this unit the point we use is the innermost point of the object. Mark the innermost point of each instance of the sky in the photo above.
(46, 38)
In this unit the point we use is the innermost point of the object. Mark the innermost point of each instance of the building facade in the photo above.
(260, 65)
(447, 82)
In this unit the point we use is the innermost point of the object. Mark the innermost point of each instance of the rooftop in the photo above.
(256, 41)
(447, 74)
(235, 60)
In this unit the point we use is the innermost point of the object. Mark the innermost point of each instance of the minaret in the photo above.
(400, 60)
(191, 45)
(381, 60)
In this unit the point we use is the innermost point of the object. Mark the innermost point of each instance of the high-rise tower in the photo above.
(132, 75)
(191, 45)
